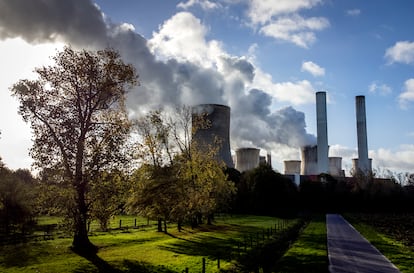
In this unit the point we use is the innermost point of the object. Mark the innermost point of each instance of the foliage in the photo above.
(76, 109)
(264, 191)
(107, 195)
(16, 201)
(177, 181)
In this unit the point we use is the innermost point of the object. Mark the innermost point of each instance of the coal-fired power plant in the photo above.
(309, 165)
(322, 133)
(247, 159)
(363, 161)
(212, 123)
(215, 130)
(292, 166)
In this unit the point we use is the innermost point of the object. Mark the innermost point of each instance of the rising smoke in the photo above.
(170, 74)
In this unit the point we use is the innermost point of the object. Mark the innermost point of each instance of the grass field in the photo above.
(309, 252)
(144, 249)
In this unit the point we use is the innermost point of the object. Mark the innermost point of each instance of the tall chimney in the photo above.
(363, 161)
(322, 131)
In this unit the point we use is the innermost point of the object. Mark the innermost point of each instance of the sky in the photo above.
(265, 59)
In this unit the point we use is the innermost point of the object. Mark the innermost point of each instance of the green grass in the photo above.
(309, 252)
(401, 256)
(132, 250)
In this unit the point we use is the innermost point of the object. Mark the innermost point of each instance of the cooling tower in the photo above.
(322, 132)
(335, 166)
(363, 162)
(247, 159)
(214, 129)
(292, 166)
(309, 164)
(355, 165)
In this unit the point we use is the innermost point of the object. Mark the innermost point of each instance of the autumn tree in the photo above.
(76, 109)
(178, 181)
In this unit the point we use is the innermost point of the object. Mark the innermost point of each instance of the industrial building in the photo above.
(314, 158)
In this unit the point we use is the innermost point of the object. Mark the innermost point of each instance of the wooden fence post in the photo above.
(204, 266)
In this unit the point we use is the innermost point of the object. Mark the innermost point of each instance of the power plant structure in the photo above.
(247, 159)
(292, 167)
(335, 166)
(215, 130)
(309, 165)
(363, 164)
(211, 126)
(322, 133)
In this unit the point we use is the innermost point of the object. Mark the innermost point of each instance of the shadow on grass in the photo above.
(309, 253)
(99, 265)
(17, 255)
(205, 245)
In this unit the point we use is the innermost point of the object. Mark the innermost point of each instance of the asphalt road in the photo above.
(349, 252)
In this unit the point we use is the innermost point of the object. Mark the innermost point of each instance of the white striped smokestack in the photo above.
(322, 131)
(363, 161)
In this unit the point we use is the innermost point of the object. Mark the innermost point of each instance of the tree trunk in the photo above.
(165, 226)
(81, 243)
(159, 225)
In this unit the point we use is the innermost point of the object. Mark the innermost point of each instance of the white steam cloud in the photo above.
(172, 71)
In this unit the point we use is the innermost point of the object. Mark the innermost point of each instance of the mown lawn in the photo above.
(309, 252)
(141, 249)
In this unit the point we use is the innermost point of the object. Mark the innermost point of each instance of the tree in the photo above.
(177, 181)
(16, 201)
(77, 112)
(107, 196)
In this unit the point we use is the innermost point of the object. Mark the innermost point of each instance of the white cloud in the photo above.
(296, 93)
(396, 160)
(263, 11)
(204, 4)
(280, 19)
(407, 95)
(353, 12)
(295, 29)
(187, 44)
(381, 89)
(401, 52)
(313, 68)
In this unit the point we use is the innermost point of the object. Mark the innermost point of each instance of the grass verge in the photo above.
(400, 255)
(309, 252)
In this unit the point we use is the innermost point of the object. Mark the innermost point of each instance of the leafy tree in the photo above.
(177, 181)
(16, 201)
(107, 195)
(77, 112)
(267, 192)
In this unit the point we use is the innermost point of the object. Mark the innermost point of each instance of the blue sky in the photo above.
(265, 59)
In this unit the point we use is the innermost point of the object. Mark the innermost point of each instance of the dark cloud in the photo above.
(75, 21)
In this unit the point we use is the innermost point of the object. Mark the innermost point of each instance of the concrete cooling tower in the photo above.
(292, 166)
(309, 160)
(247, 159)
(215, 129)
(335, 166)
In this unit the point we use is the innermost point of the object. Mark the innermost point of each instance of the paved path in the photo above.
(349, 252)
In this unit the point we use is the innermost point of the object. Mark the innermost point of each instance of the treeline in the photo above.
(191, 192)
